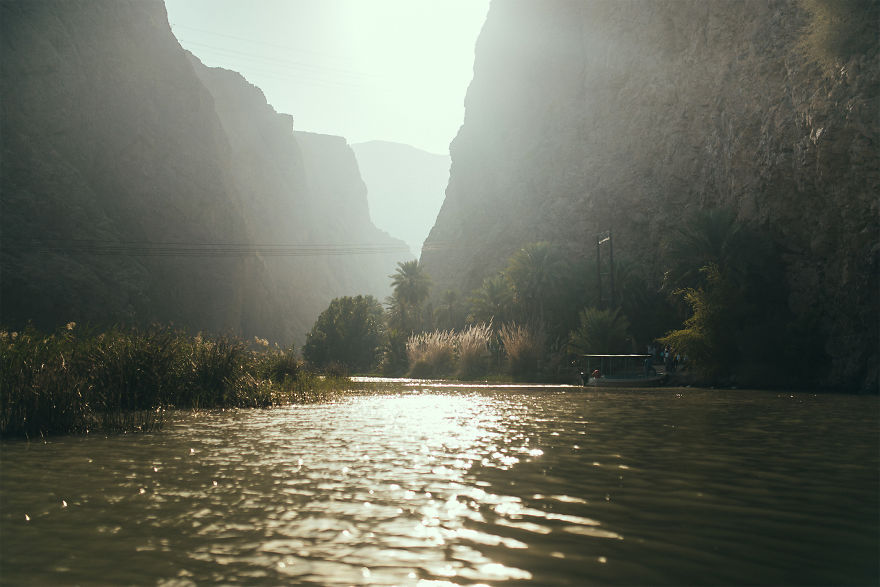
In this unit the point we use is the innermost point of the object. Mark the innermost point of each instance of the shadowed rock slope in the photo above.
(589, 115)
(134, 190)
(303, 196)
(405, 187)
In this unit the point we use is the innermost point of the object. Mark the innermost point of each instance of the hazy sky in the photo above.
(394, 70)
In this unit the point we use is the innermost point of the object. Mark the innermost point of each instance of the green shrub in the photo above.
(708, 337)
(278, 365)
(76, 381)
(336, 370)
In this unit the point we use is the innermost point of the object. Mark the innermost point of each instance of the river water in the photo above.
(430, 484)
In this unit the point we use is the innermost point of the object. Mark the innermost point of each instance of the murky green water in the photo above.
(428, 485)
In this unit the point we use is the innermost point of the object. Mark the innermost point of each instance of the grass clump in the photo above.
(431, 354)
(524, 347)
(445, 353)
(125, 379)
(473, 351)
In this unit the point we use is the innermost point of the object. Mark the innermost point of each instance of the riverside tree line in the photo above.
(720, 300)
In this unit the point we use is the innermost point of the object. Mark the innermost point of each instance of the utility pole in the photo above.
(601, 239)
(599, 268)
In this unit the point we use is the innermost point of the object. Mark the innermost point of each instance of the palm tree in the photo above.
(729, 277)
(600, 331)
(492, 302)
(535, 273)
(710, 237)
(743, 256)
(410, 282)
(447, 316)
(641, 300)
(411, 287)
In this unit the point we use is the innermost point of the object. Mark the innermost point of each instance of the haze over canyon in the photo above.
(139, 185)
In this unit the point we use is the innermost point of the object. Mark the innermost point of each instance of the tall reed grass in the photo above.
(524, 346)
(445, 353)
(431, 354)
(125, 379)
(473, 351)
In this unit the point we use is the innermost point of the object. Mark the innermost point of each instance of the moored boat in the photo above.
(621, 371)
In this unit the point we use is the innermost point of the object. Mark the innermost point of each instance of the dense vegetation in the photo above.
(349, 332)
(125, 379)
(719, 303)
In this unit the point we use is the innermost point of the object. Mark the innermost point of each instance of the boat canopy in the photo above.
(630, 366)
(619, 356)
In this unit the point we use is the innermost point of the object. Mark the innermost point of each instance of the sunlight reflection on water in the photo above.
(433, 486)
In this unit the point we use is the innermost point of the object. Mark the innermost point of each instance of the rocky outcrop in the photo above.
(405, 187)
(305, 205)
(140, 186)
(585, 116)
(364, 256)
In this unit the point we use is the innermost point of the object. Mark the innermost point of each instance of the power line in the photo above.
(255, 42)
(273, 61)
(279, 69)
(200, 249)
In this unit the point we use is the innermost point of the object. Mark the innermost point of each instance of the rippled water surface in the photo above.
(426, 484)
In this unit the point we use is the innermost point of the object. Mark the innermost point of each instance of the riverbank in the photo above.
(78, 381)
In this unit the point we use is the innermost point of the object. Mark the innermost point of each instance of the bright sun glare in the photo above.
(393, 70)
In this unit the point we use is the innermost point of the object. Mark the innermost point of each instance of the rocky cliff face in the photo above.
(366, 256)
(137, 185)
(585, 116)
(109, 142)
(304, 203)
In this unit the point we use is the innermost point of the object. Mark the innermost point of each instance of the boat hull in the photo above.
(653, 381)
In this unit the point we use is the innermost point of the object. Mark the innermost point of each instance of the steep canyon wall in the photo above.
(302, 195)
(585, 116)
(140, 186)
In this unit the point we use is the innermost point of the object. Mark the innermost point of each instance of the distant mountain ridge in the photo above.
(139, 185)
(406, 187)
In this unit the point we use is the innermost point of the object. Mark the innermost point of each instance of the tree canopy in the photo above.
(349, 332)
(410, 282)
